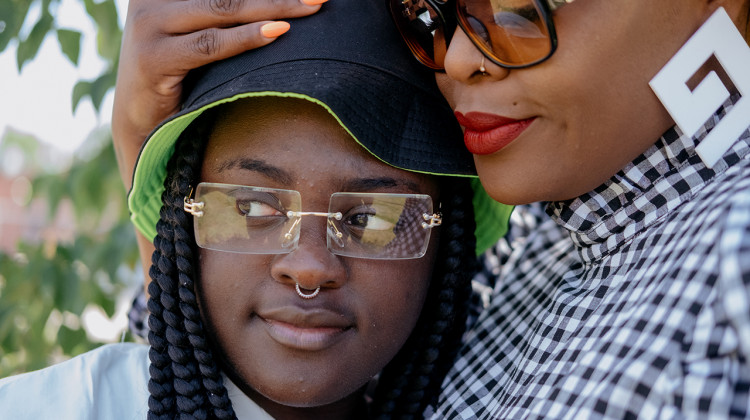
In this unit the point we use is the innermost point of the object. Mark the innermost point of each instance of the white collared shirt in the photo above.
(110, 382)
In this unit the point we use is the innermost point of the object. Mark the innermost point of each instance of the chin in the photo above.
(512, 184)
(311, 395)
(514, 193)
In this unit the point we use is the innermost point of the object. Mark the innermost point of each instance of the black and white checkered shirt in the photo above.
(632, 302)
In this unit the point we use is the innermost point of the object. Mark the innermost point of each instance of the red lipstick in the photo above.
(485, 134)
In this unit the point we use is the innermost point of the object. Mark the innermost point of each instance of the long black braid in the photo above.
(185, 379)
(412, 379)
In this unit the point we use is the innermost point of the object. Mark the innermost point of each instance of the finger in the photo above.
(195, 15)
(196, 49)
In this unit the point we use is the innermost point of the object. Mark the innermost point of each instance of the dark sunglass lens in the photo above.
(422, 30)
(513, 32)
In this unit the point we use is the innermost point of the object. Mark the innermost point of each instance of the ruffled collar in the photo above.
(644, 191)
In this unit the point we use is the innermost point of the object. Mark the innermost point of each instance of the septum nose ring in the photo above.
(306, 295)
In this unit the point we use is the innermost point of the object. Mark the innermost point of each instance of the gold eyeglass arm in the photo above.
(196, 209)
(431, 221)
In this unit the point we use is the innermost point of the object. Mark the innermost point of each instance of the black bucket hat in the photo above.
(349, 59)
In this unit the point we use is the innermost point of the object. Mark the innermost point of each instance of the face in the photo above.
(279, 348)
(561, 128)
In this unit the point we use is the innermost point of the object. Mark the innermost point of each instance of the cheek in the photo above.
(394, 303)
(226, 289)
(447, 87)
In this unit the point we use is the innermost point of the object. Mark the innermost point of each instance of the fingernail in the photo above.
(313, 2)
(274, 29)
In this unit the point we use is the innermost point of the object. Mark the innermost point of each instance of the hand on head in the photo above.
(164, 40)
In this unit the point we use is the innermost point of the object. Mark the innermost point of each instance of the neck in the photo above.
(352, 406)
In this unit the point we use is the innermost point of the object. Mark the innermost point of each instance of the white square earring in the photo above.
(717, 37)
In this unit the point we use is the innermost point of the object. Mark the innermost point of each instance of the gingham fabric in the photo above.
(631, 302)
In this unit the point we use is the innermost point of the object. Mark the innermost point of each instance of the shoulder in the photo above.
(694, 231)
(734, 268)
(110, 381)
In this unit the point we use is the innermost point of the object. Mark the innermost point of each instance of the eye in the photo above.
(521, 23)
(369, 222)
(251, 204)
(479, 29)
(254, 208)
(370, 218)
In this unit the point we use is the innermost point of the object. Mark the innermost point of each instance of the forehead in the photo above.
(271, 126)
(300, 138)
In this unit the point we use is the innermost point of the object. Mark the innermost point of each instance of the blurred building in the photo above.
(24, 219)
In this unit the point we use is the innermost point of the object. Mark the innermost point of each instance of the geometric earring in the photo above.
(690, 109)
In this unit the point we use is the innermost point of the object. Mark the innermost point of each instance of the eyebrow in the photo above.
(259, 166)
(354, 185)
(369, 184)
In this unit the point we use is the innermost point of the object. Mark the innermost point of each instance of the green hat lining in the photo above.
(145, 203)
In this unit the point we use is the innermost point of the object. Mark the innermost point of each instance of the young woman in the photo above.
(299, 312)
(631, 300)
(294, 261)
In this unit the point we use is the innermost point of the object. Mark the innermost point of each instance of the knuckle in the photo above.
(207, 42)
(224, 7)
(141, 20)
(279, 5)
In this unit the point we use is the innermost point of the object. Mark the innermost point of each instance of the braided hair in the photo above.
(185, 379)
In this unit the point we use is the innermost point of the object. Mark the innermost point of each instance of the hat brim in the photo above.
(412, 140)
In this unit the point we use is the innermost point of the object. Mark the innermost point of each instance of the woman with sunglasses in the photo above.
(630, 120)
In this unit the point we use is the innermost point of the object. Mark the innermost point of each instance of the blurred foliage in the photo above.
(29, 22)
(45, 287)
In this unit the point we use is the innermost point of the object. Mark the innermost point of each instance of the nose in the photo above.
(311, 265)
(463, 61)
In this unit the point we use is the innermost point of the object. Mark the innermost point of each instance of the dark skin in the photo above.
(297, 358)
(634, 39)
(592, 106)
(162, 41)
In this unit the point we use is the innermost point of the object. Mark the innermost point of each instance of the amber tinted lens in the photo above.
(243, 219)
(422, 30)
(513, 32)
(379, 226)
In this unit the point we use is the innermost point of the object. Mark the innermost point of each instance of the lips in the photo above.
(485, 134)
(307, 330)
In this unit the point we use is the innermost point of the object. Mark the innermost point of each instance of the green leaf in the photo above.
(71, 340)
(51, 276)
(70, 44)
(100, 86)
(81, 89)
(28, 48)
(109, 34)
(12, 14)
(96, 89)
